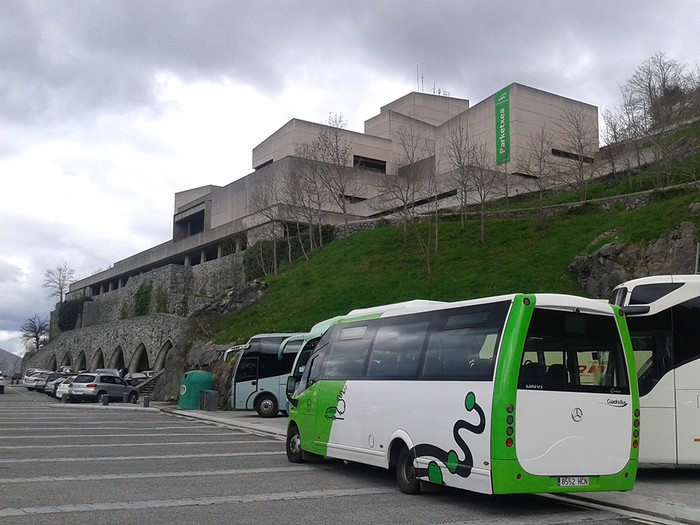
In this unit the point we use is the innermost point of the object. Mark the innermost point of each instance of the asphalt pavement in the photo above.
(667, 493)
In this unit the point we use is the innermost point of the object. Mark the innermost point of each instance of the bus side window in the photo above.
(348, 354)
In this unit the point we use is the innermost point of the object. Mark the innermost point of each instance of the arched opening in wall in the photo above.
(98, 360)
(139, 361)
(117, 360)
(80, 362)
(67, 360)
(160, 358)
(52, 363)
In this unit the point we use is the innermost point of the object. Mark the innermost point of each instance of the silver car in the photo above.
(96, 386)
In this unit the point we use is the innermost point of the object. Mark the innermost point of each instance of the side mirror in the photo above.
(291, 387)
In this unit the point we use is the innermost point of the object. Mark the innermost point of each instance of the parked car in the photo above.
(62, 388)
(135, 378)
(38, 380)
(41, 383)
(93, 387)
(2, 383)
(30, 377)
(52, 386)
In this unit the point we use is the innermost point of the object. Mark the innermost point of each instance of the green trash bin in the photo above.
(192, 383)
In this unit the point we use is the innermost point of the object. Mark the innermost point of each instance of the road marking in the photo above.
(168, 443)
(141, 458)
(72, 427)
(155, 475)
(190, 502)
(128, 434)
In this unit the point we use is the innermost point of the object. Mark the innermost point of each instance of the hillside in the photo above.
(377, 267)
(9, 363)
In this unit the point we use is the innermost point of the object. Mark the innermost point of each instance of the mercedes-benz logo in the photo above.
(577, 414)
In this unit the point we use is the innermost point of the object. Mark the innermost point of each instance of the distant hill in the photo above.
(9, 363)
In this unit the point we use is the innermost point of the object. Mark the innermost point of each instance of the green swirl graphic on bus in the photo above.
(451, 460)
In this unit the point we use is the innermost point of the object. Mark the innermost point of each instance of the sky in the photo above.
(108, 108)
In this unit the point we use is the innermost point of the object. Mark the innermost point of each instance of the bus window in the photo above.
(648, 293)
(348, 354)
(572, 351)
(652, 359)
(463, 342)
(397, 348)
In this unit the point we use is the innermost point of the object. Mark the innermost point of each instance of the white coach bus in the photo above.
(510, 394)
(663, 316)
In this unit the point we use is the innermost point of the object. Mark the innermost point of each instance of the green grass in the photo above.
(377, 267)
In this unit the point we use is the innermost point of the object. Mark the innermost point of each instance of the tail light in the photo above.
(91, 385)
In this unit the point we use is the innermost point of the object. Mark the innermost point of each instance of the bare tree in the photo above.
(577, 143)
(659, 88)
(305, 189)
(459, 152)
(58, 279)
(34, 333)
(264, 200)
(536, 163)
(485, 183)
(332, 152)
(415, 164)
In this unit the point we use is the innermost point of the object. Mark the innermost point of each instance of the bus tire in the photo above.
(406, 477)
(294, 452)
(266, 406)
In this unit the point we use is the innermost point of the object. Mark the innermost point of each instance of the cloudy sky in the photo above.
(107, 108)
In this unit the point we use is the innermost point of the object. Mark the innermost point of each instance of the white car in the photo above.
(30, 376)
(64, 386)
(2, 383)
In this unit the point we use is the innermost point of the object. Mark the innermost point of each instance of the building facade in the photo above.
(213, 222)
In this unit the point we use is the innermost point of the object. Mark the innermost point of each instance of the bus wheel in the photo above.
(294, 453)
(266, 406)
(406, 473)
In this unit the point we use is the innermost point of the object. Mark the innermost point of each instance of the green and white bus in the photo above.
(510, 394)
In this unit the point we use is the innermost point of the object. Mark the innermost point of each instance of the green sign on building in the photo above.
(502, 127)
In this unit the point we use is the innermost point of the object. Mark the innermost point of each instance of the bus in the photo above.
(260, 375)
(663, 316)
(491, 395)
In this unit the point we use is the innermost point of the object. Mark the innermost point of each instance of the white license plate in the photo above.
(573, 481)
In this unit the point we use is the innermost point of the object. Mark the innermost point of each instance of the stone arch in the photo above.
(117, 360)
(159, 363)
(67, 360)
(52, 363)
(81, 361)
(97, 361)
(139, 361)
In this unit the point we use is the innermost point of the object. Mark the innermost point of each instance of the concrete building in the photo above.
(211, 222)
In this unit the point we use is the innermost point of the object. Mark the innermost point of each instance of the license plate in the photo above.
(573, 481)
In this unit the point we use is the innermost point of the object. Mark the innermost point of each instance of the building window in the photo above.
(571, 156)
(364, 163)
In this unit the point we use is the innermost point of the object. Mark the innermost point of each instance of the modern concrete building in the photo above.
(210, 222)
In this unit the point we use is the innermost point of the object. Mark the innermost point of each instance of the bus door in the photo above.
(657, 395)
(246, 380)
(307, 397)
(688, 413)
(574, 407)
(686, 367)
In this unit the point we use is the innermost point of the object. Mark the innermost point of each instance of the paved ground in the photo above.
(667, 493)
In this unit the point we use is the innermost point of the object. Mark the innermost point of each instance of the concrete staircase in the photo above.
(149, 385)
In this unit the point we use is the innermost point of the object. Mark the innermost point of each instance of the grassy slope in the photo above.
(376, 267)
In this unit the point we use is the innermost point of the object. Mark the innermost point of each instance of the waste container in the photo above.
(191, 385)
(209, 400)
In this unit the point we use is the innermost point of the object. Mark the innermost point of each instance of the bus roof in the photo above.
(543, 300)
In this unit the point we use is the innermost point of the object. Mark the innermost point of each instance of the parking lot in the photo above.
(122, 463)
